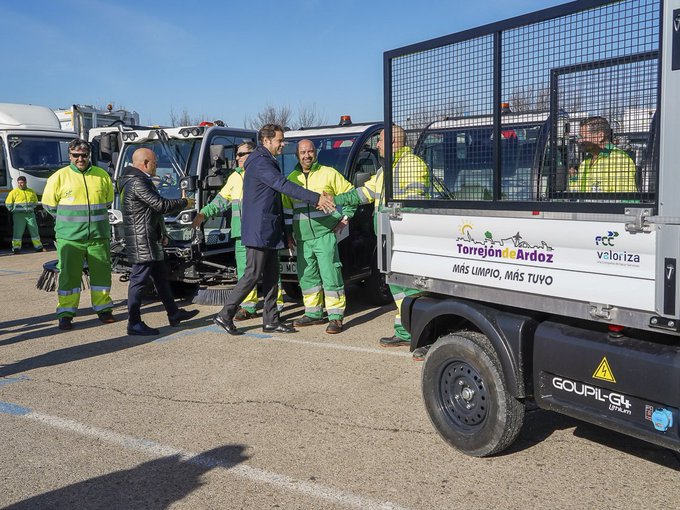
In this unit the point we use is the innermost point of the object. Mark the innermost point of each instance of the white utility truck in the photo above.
(82, 118)
(32, 145)
(547, 251)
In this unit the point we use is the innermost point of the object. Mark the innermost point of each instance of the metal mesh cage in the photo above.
(555, 107)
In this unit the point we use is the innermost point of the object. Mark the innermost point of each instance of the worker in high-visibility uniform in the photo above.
(313, 232)
(21, 202)
(230, 196)
(411, 180)
(605, 168)
(79, 196)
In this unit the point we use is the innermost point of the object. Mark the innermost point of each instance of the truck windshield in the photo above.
(331, 151)
(167, 179)
(38, 156)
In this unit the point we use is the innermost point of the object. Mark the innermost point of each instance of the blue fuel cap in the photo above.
(662, 419)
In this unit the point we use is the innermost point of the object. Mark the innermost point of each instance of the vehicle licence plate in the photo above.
(288, 267)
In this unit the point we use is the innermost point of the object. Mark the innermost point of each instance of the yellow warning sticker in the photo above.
(604, 371)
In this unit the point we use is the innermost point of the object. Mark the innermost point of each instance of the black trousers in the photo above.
(260, 263)
(140, 275)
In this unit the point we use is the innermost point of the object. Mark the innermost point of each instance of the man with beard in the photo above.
(605, 168)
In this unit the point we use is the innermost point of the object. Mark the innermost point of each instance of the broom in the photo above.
(49, 278)
(215, 295)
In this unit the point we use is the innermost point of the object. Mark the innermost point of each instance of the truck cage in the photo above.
(457, 98)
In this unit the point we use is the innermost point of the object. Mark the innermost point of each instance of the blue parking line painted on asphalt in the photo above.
(258, 335)
(204, 329)
(9, 408)
(9, 380)
(11, 271)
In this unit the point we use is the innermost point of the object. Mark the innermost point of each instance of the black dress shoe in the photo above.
(227, 325)
(141, 329)
(66, 323)
(181, 315)
(281, 327)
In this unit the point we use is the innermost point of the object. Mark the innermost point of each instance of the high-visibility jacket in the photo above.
(303, 220)
(411, 180)
(80, 202)
(231, 193)
(611, 171)
(21, 200)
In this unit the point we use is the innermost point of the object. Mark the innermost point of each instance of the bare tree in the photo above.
(183, 118)
(543, 99)
(309, 116)
(522, 99)
(271, 115)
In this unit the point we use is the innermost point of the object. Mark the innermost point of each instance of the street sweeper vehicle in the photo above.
(545, 255)
(195, 160)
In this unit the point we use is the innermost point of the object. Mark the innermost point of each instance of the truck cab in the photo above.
(352, 150)
(195, 160)
(32, 145)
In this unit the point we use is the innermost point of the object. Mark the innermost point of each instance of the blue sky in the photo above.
(221, 59)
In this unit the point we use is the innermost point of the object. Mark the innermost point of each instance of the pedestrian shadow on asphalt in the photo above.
(367, 317)
(47, 325)
(540, 424)
(153, 485)
(83, 351)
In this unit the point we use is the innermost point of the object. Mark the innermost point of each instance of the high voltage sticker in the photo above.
(604, 372)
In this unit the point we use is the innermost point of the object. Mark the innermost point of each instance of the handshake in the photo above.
(190, 201)
(326, 203)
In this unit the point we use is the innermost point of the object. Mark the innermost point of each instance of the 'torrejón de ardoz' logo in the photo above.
(512, 247)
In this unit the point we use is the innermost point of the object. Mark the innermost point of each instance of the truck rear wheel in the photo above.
(466, 397)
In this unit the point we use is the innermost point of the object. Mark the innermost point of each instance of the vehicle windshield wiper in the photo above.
(163, 138)
(38, 167)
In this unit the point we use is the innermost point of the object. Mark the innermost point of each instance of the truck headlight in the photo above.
(186, 217)
(115, 217)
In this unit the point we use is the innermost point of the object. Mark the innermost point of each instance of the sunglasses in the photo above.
(77, 155)
(241, 154)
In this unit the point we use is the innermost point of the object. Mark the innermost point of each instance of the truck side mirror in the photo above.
(188, 183)
(217, 156)
(361, 178)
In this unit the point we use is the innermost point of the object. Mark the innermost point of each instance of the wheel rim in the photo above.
(463, 396)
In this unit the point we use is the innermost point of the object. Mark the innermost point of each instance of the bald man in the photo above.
(144, 232)
(411, 179)
(313, 232)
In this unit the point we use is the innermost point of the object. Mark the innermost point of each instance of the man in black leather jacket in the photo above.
(144, 232)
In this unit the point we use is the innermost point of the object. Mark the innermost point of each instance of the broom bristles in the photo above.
(212, 296)
(49, 279)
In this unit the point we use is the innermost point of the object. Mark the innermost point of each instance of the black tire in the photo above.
(377, 290)
(292, 290)
(466, 397)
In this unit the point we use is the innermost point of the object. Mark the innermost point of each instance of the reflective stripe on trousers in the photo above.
(320, 274)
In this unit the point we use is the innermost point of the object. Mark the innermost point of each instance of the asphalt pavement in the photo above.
(194, 418)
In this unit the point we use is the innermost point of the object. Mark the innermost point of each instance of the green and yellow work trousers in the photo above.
(72, 254)
(399, 293)
(250, 302)
(22, 220)
(320, 275)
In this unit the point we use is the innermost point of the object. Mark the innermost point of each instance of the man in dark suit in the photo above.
(262, 229)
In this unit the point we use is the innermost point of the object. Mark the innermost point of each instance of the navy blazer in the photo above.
(261, 209)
